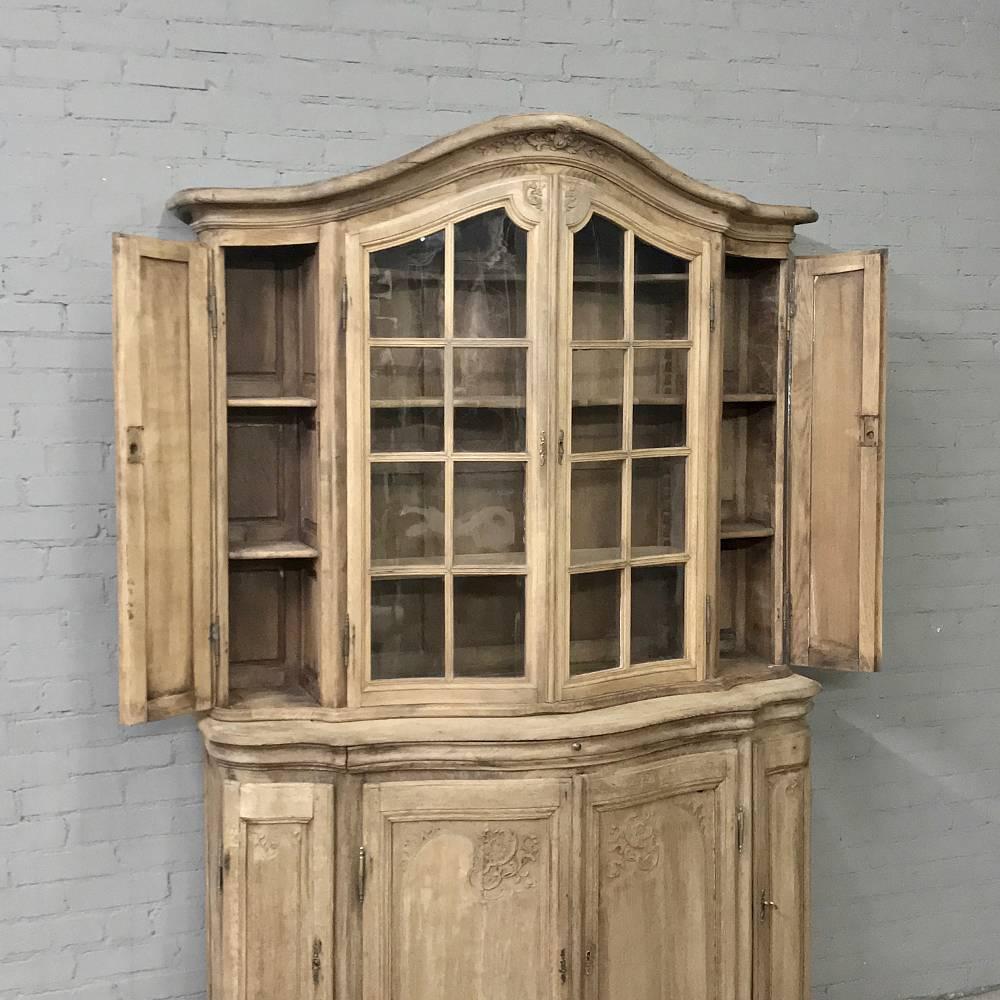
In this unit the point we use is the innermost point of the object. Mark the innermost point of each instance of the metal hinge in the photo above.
(343, 307)
(711, 309)
(740, 829)
(791, 307)
(213, 641)
(317, 960)
(563, 968)
(133, 445)
(213, 311)
(345, 641)
(362, 873)
(543, 448)
(708, 623)
(786, 626)
(223, 868)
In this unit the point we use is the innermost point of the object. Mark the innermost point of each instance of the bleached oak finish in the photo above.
(485, 499)
(164, 490)
(836, 461)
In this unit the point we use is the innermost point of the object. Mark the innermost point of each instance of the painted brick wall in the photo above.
(881, 113)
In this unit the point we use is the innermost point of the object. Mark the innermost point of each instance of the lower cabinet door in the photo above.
(465, 890)
(660, 881)
(781, 868)
(277, 892)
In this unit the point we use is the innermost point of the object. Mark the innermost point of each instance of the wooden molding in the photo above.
(500, 144)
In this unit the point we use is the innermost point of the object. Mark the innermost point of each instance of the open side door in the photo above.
(835, 461)
(163, 445)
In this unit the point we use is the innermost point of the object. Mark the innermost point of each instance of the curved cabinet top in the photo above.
(532, 141)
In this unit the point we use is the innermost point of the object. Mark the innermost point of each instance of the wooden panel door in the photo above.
(835, 463)
(466, 893)
(277, 892)
(163, 451)
(781, 868)
(660, 857)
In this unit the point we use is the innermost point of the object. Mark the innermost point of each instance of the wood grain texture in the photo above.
(781, 866)
(466, 894)
(660, 894)
(163, 448)
(836, 460)
(277, 891)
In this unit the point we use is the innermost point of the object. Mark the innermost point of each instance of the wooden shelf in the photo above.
(746, 529)
(273, 550)
(412, 402)
(749, 397)
(479, 403)
(617, 279)
(271, 403)
(580, 404)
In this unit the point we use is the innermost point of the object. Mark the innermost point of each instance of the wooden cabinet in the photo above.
(526, 436)
(660, 865)
(277, 891)
(466, 889)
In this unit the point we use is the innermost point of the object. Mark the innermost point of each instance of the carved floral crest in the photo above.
(561, 139)
(633, 845)
(503, 862)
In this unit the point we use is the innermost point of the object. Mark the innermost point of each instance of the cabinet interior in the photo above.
(271, 335)
(752, 384)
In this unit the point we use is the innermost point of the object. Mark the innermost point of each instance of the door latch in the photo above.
(869, 430)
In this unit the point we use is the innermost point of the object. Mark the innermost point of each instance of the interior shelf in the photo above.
(749, 397)
(746, 529)
(617, 278)
(271, 402)
(273, 550)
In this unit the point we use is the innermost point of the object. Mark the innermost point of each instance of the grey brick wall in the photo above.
(881, 113)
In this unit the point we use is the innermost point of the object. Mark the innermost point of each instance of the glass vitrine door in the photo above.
(628, 450)
(449, 410)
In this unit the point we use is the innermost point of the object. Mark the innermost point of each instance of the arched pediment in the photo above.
(518, 141)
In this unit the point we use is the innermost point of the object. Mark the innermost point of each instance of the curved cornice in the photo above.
(529, 138)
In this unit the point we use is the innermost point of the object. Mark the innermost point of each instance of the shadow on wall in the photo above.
(906, 763)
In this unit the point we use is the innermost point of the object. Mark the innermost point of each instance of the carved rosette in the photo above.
(633, 845)
(562, 139)
(503, 863)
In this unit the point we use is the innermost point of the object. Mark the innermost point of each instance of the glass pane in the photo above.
(407, 513)
(406, 289)
(598, 388)
(407, 628)
(407, 399)
(490, 399)
(491, 255)
(594, 613)
(657, 613)
(661, 294)
(489, 513)
(659, 395)
(657, 506)
(489, 626)
(595, 512)
(599, 281)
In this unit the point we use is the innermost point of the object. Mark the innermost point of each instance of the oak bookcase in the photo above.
(482, 503)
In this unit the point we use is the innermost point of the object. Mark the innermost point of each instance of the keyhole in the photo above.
(133, 448)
